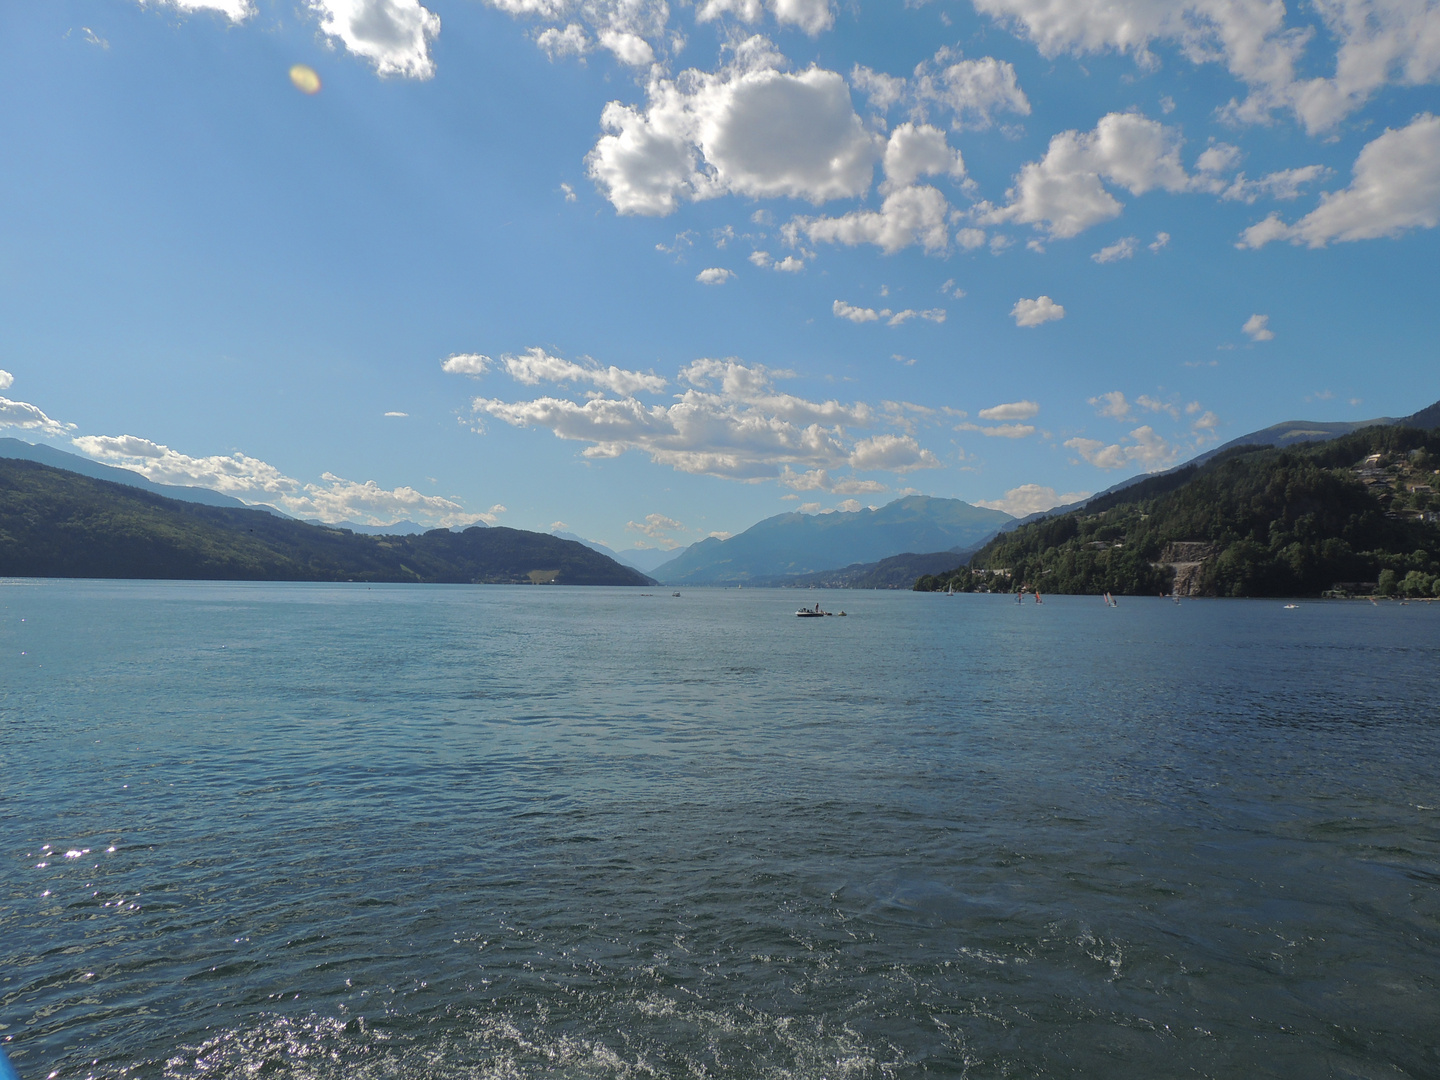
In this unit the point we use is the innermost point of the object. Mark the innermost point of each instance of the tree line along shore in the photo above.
(1356, 515)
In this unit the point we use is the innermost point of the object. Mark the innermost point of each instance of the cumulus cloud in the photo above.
(1145, 401)
(1112, 404)
(1284, 184)
(750, 129)
(1146, 449)
(916, 150)
(1257, 328)
(1395, 187)
(1064, 192)
(6, 379)
(1030, 499)
(842, 310)
(253, 480)
(972, 92)
(1012, 410)
(811, 16)
(714, 275)
(911, 215)
(821, 480)
(556, 42)
(535, 366)
(633, 31)
(970, 238)
(234, 10)
(23, 416)
(466, 364)
(855, 314)
(658, 527)
(1377, 42)
(1124, 248)
(394, 35)
(733, 422)
(1034, 312)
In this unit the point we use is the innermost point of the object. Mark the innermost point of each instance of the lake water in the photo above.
(256, 830)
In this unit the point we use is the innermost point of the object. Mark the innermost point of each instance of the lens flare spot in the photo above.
(305, 78)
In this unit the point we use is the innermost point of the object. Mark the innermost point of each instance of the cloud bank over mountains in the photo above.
(730, 421)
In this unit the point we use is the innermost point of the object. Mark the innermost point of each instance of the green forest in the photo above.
(56, 523)
(1354, 515)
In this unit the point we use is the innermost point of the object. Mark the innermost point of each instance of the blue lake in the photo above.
(255, 830)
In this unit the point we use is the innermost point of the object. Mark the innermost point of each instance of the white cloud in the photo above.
(1257, 327)
(971, 91)
(1378, 42)
(809, 508)
(466, 364)
(789, 265)
(253, 480)
(658, 527)
(1034, 312)
(821, 480)
(1221, 157)
(1005, 431)
(1065, 190)
(970, 238)
(629, 48)
(714, 275)
(1395, 188)
(395, 35)
(632, 30)
(1123, 248)
(748, 129)
(234, 10)
(734, 423)
(1285, 184)
(1030, 499)
(1112, 404)
(855, 314)
(916, 150)
(849, 506)
(555, 42)
(1162, 239)
(899, 318)
(26, 417)
(911, 215)
(883, 91)
(1146, 449)
(1145, 401)
(811, 16)
(535, 366)
(1012, 410)
(6, 379)
(397, 414)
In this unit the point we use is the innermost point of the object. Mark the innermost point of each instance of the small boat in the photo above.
(674, 594)
(811, 613)
(1291, 607)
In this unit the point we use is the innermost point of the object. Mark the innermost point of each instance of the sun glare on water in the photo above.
(305, 78)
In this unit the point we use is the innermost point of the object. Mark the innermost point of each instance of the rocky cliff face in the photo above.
(1187, 559)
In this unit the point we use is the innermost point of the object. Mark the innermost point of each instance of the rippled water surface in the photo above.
(339, 831)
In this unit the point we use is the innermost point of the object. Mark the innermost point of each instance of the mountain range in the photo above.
(787, 546)
(866, 548)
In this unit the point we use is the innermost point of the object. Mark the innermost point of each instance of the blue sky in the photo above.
(658, 271)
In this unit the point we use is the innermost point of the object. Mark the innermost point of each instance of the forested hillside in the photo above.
(55, 523)
(1356, 514)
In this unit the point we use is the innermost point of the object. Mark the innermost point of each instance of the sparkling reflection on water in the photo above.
(339, 831)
